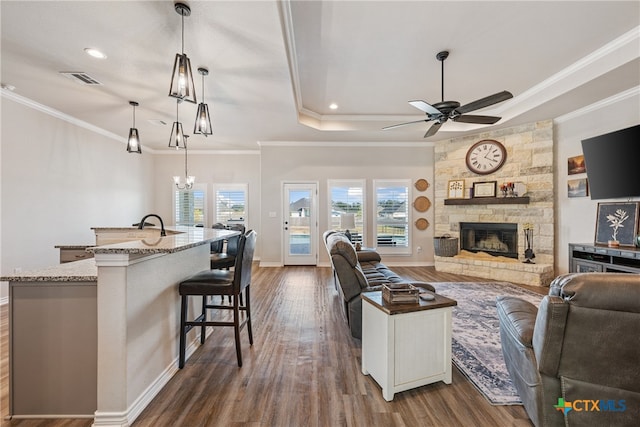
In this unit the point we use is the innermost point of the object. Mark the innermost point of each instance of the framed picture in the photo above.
(456, 189)
(484, 189)
(617, 222)
(576, 165)
(578, 187)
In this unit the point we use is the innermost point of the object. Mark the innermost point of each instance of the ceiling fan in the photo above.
(442, 111)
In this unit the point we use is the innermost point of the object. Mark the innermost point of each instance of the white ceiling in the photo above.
(276, 66)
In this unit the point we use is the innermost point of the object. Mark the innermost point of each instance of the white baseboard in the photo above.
(125, 419)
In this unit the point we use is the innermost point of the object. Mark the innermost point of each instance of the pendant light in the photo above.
(182, 86)
(203, 119)
(177, 135)
(188, 180)
(133, 143)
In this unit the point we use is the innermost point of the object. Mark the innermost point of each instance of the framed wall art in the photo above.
(484, 189)
(576, 165)
(456, 189)
(578, 187)
(617, 223)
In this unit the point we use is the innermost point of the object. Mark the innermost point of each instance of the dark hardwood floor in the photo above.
(303, 370)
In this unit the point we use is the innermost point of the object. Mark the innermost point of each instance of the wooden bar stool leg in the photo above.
(204, 319)
(236, 328)
(248, 311)
(183, 334)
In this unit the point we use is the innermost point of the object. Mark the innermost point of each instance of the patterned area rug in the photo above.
(476, 349)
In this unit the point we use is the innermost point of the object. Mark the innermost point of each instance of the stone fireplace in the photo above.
(530, 161)
(498, 239)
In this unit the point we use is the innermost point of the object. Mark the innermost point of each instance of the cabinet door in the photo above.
(582, 266)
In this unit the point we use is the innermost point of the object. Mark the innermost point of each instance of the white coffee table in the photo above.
(406, 345)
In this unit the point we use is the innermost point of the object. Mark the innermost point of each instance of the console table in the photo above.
(587, 258)
(406, 345)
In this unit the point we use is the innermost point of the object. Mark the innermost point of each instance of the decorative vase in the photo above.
(638, 241)
(613, 243)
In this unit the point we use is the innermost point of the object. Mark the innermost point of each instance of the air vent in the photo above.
(80, 77)
(157, 122)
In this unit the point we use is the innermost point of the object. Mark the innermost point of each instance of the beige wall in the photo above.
(58, 181)
(319, 162)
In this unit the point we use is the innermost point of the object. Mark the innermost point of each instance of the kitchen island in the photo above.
(99, 337)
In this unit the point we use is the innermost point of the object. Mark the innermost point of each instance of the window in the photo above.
(392, 216)
(230, 203)
(347, 197)
(189, 206)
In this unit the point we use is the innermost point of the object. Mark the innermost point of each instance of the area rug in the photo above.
(476, 349)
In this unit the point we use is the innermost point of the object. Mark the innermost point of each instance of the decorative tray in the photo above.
(400, 293)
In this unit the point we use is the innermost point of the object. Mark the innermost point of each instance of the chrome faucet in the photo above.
(141, 225)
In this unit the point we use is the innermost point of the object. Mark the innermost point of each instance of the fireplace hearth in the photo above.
(498, 239)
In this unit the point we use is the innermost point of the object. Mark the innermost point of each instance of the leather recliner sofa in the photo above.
(356, 272)
(575, 360)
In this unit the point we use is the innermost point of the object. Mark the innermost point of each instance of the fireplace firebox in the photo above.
(498, 239)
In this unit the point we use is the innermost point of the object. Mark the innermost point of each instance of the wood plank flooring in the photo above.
(303, 370)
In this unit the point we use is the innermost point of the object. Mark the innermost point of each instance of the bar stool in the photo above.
(220, 282)
(227, 259)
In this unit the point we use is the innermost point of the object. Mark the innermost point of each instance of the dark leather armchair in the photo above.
(356, 272)
(582, 345)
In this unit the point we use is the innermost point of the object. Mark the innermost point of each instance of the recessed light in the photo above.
(95, 53)
(333, 106)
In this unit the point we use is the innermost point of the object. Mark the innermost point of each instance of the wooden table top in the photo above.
(375, 298)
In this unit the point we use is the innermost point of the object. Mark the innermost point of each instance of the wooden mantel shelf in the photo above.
(489, 201)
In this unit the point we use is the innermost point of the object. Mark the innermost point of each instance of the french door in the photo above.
(300, 228)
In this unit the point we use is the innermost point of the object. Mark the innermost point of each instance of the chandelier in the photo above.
(188, 179)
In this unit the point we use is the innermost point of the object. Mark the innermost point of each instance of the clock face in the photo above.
(486, 156)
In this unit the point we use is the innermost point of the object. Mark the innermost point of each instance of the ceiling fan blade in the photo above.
(433, 129)
(471, 118)
(484, 102)
(403, 124)
(427, 108)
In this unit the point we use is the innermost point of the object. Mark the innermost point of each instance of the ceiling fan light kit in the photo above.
(442, 111)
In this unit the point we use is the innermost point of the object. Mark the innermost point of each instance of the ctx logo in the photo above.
(589, 405)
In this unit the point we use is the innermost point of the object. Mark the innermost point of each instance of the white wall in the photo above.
(576, 217)
(320, 162)
(58, 180)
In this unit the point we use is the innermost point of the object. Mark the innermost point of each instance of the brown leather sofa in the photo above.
(582, 345)
(356, 272)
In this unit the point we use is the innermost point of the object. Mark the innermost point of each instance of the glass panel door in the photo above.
(300, 224)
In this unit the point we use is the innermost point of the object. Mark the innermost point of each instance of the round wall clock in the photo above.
(486, 156)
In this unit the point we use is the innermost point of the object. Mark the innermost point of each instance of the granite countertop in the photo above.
(177, 239)
(77, 271)
(72, 246)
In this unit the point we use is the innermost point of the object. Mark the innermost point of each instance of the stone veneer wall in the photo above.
(529, 160)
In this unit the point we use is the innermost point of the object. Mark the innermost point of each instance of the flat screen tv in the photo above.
(613, 164)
